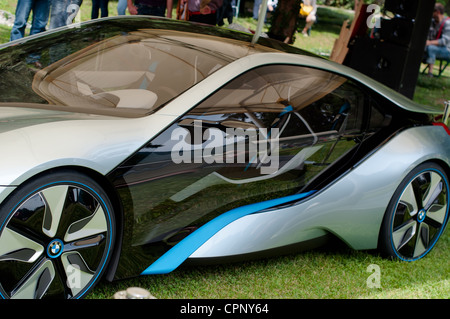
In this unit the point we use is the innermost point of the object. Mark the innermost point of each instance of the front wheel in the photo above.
(417, 214)
(56, 237)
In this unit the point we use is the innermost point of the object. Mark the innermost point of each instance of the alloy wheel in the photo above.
(420, 215)
(55, 243)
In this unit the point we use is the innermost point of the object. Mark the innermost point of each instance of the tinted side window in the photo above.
(315, 117)
(108, 71)
(264, 135)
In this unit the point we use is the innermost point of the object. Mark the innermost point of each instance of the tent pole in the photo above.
(261, 18)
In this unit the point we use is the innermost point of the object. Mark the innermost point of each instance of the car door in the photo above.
(269, 133)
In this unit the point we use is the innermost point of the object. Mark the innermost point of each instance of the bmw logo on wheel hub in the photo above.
(421, 216)
(55, 248)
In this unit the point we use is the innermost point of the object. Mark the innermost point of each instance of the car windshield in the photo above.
(110, 68)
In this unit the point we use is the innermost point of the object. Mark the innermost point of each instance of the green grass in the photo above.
(324, 32)
(4, 34)
(8, 5)
(433, 91)
(333, 272)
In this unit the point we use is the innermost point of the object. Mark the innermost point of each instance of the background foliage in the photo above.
(349, 4)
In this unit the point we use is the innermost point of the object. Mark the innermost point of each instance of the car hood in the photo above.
(13, 118)
(35, 140)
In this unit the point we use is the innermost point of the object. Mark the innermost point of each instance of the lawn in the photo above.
(333, 272)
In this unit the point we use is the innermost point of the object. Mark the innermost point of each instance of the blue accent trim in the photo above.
(287, 109)
(60, 251)
(181, 251)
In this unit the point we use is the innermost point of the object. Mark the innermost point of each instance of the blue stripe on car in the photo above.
(181, 251)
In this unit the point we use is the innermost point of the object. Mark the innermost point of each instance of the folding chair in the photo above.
(442, 66)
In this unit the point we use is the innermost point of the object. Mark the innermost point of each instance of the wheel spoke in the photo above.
(78, 273)
(422, 240)
(433, 191)
(14, 246)
(403, 234)
(87, 227)
(437, 213)
(37, 283)
(55, 197)
(84, 243)
(409, 199)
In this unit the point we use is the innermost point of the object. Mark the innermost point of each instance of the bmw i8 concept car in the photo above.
(130, 146)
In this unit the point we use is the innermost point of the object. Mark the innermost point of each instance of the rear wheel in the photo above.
(417, 214)
(56, 237)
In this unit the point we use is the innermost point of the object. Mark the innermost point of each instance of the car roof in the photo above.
(220, 43)
(135, 23)
(75, 61)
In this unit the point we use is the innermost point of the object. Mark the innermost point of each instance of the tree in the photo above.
(447, 7)
(285, 20)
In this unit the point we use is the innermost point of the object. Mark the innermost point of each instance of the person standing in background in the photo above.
(63, 12)
(225, 12)
(99, 5)
(256, 6)
(40, 9)
(202, 11)
(151, 7)
(122, 7)
(438, 47)
(310, 17)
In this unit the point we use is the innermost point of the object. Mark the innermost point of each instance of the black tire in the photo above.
(417, 214)
(56, 237)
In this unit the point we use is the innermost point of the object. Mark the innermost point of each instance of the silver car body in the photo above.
(100, 143)
(367, 186)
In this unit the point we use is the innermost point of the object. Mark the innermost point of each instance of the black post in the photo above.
(395, 56)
